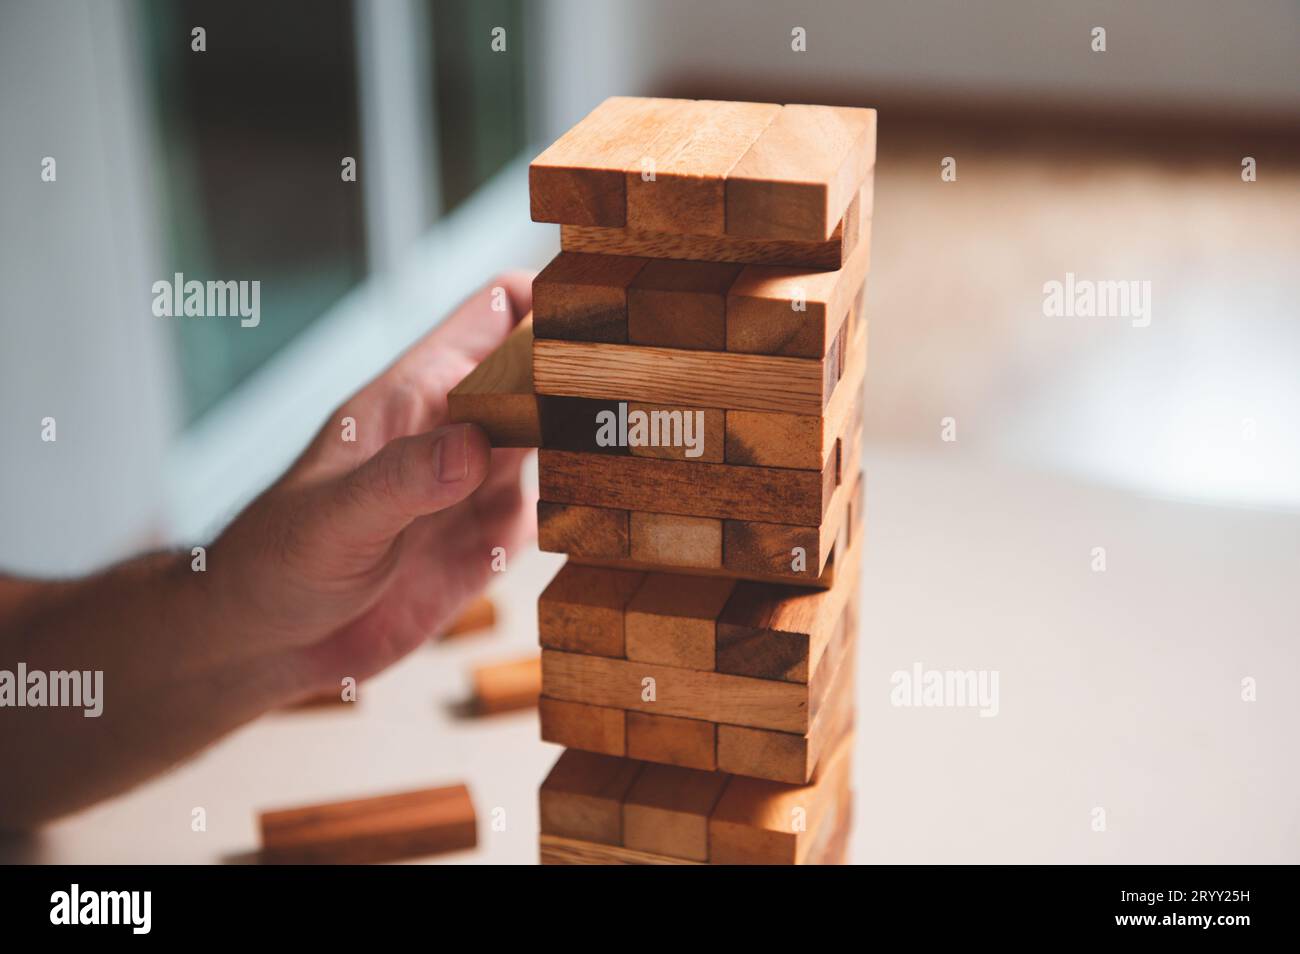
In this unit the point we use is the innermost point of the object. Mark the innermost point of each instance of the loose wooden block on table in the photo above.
(582, 609)
(479, 615)
(682, 378)
(676, 540)
(679, 184)
(498, 394)
(369, 830)
(829, 253)
(582, 176)
(583, 297)
(689, 743)
(579, 726)
(583, 796)
(687, 693)
(672, 618)
(666, 811)
(590, 531)
(507, 686)
(755, 820)
(687, 488)
(801, 173)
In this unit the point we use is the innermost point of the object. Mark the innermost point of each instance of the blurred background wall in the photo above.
(225, 164)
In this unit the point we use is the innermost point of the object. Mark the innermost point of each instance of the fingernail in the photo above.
(453, 455)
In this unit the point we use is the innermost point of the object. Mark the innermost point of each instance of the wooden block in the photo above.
(800, 175)
(572, 851)
(507, 686)
(581, 177)
(667, 811)
(681, 378)
(371, 830)
(801, 441)
(688, 693)
(830, 253)
(689, 743)
(683, 433)
(672, 618)
(673, 540)
(571, 423)
(498, 394)
(757, 821)
(781, 632)
(823, 582)
(586, 531)
(582, 609)
(764, 494)
(675, 304)
(784, 756)
(795, 311)
(690, 158)
(583, 796)
(578, 726)
(582, 297)
(479, 615)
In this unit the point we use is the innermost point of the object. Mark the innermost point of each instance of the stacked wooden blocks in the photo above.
(698, 359)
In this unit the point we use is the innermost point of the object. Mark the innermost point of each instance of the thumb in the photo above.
(408, 478)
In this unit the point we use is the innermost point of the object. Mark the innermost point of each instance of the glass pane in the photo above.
(252, 135)
(479, 92)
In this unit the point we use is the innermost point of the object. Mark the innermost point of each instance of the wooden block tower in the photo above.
(698, 357)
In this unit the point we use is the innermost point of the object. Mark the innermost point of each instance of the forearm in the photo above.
(144, 638)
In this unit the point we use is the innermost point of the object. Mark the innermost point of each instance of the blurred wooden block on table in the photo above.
(479, 615)
(369, 830)
(507, 686)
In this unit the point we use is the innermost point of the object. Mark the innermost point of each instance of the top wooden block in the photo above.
(745, 170)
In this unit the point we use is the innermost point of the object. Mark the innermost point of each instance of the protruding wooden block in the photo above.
(582, 297)
(667, 811)
(582, 531)
(674, 304)
(369, 830)
(507, 686)
(498, 394)
(800, 175)
(672, 540)
(672, 618)
(579, 726)
(583, 796)
(689, 743)
(583, 607)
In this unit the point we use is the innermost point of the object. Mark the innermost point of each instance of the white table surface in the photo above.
(1119, 690)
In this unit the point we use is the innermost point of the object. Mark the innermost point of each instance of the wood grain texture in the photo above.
(688, 693)
(583, 531)
(690, 158)
(583, 796)
(673, 540)
(800, 441)
(831, 253)
(765, 494)
(800, 175)
(673, 304)
(581, 177)
(498, 394)
(582, 609)
(666, 812)
(699, 437)
(823, 582)
(672, 619)
(675, 376)
(689, 743)
(555, 850)
(757, 821)
(578, 726)
(507, 686)
(582, 297)
(369, 830)
(781, 632)
(762, 317)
